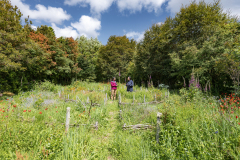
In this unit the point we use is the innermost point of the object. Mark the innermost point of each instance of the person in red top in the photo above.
(113, 88)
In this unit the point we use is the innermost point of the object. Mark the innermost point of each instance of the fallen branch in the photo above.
(153, 102)
(137, 126)
(67, 100)
(77, 125)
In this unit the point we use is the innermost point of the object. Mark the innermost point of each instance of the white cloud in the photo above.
(232, 5)
(97, 6)
(47, 14)
(65, 32)
(138, 36)
(87, 26)
(34, 27)
(138, 5)
(160, 23)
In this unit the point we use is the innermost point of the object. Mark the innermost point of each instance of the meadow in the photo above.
(194, 125)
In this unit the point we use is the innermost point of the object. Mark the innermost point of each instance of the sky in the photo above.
(104, 18)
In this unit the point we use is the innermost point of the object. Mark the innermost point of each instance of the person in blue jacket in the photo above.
(129, 85)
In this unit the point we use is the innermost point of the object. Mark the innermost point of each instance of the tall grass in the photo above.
(32, 125)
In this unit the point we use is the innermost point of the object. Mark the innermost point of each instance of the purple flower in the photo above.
(198, 85)
(206, 88)
(119, 74)
(192, 80)
(150, 77)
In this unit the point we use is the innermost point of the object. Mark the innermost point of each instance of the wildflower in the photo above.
(56, 107)
(7, 99)
(57, 111)
(29, 110)
(232, 112)
(6, 116)
(239, 123)
(15, 106)
(237, 117)
(13, 110)
(24, 110)
(40, 112)
(216, 132)
(46, 109)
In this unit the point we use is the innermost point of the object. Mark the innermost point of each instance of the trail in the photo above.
(112, 123)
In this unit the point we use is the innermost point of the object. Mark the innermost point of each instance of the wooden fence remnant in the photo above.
(120, 114)
(67, 119)
(119, 99)
(137, 126)
(158, 126)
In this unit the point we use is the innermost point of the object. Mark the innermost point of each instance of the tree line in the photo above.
(200, 39)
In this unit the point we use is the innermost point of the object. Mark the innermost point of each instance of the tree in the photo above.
(152, 57)
(13, 37)
(87, 59)
(115, 57)
(199, 36)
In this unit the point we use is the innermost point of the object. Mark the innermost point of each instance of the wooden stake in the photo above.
(120, 114)
(158, 126)
(119, 99)
(67, 119)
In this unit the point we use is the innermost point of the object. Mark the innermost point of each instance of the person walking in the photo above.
(129, 85)
(113, 88)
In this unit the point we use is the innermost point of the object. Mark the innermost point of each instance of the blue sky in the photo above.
(103, 18)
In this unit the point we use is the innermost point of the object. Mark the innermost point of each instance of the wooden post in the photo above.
(96, 125)
(67, 119)
(68, 96)
(144, 98)
(120, 114)
(158, 126)
(119, 99)
(90, 109)
(87, 99)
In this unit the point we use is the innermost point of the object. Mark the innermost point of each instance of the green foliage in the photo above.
(192, 130)
(115, 57)
(87, 60)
